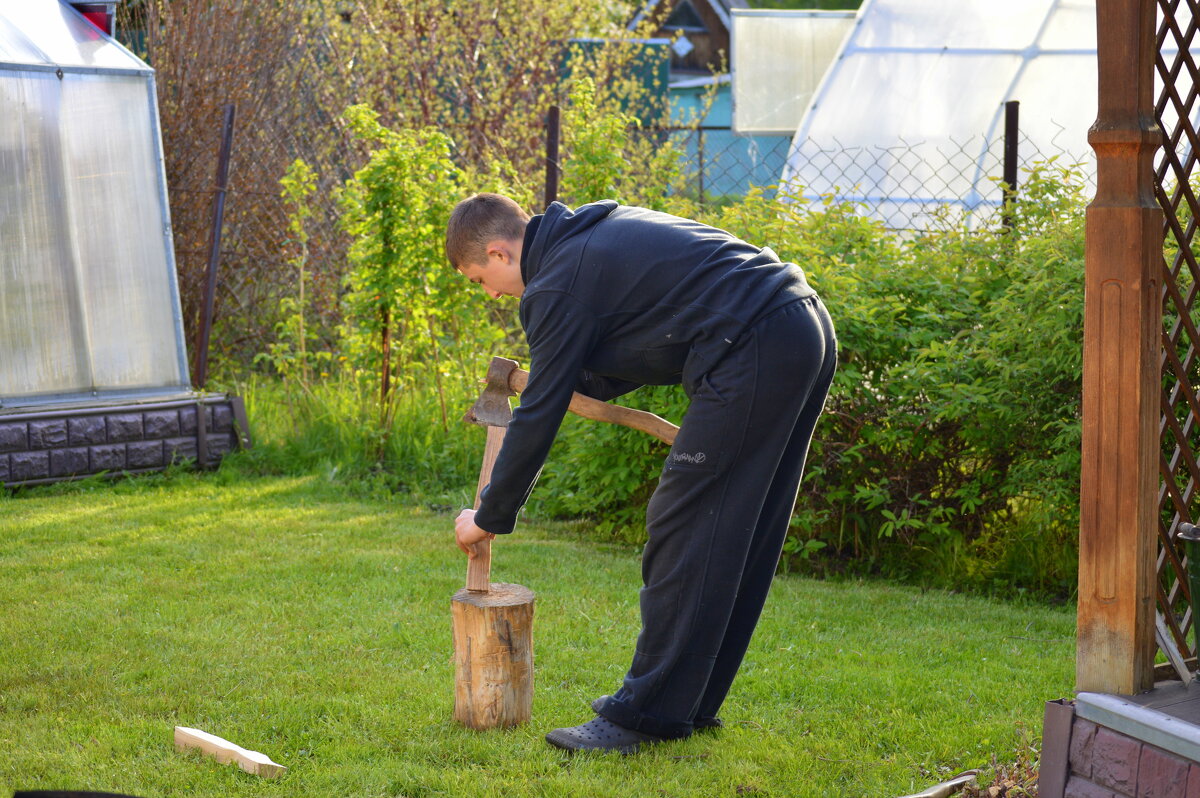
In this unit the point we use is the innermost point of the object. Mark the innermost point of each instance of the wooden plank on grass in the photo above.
(224, 751)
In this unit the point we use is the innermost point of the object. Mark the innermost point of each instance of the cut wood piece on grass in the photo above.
(224, 751)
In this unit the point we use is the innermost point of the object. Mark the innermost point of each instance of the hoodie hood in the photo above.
(562, 226)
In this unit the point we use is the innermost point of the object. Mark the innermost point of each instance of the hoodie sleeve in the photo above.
(560, 332)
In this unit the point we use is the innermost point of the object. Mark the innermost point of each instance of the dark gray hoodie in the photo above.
(617, 297)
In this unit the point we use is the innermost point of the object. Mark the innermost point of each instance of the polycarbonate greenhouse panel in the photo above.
(953, 24)
(778, 59)
(1073, 70)
(88, 301)
(17, 48)
(910, 118)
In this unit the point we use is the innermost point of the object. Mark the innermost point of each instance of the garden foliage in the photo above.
(413, 338)
(402, 312)
(292, 354)
(948, 453)
(484, 74)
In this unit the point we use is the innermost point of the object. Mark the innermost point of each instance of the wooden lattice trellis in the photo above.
(1177, 107)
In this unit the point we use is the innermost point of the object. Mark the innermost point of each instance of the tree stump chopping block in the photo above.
(493, 656)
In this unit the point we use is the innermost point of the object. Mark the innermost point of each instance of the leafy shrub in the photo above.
(948, 452)
(393, 208)
(606, 156)
(412, 341)
(292, 354)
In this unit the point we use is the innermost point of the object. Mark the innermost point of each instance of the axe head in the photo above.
(491, 408)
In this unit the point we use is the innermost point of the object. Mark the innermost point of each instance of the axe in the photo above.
(493, 622)
(491, 410)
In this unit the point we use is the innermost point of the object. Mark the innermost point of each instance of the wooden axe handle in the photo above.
(479, 567)
(596, 410)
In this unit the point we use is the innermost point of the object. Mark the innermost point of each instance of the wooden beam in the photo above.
(1122, 331)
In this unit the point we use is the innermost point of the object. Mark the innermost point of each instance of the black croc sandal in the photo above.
(697, 724)
(600, 734)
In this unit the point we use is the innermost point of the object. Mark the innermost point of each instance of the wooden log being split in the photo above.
(493, 656)
(224, 751)
(493, 622)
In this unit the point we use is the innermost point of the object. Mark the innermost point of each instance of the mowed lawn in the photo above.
(293, 618)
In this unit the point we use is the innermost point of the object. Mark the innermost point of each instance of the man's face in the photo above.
(500, 274)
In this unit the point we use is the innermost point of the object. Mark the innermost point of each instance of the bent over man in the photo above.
(615, 297)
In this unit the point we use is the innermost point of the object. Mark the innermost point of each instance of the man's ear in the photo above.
(499, 249)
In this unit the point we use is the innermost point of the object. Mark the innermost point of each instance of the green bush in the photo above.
(378, 406)
(949, 451)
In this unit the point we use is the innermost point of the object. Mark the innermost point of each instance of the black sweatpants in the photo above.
(718, 519)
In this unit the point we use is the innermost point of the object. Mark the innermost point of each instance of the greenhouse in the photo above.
(911, 116)
(89, 307)
(771, 92)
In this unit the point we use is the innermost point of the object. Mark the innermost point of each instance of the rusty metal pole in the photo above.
(552, 167)
(214, 249)
(1012, 133)
(1118, 506)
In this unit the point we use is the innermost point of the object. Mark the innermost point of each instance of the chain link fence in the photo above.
(255, 271)
(905, 185)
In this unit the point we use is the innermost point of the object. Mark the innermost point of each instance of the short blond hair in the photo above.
(479, 220)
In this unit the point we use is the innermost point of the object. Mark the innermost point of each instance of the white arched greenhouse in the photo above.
(910, 117)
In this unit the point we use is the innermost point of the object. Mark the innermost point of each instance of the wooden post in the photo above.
(1121, 351)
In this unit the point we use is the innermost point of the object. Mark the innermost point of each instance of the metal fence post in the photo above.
(552, 166)
(214, 248)
(1012, 133)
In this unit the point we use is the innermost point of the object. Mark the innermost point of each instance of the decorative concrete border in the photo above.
(54, 445)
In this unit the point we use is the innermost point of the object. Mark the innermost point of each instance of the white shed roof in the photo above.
(779, 58)
(51, 33)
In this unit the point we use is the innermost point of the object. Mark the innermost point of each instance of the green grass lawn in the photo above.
(293, 618)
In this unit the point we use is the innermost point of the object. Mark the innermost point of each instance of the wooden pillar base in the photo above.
(493, 656)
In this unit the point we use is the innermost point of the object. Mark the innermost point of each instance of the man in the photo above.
(615, 297)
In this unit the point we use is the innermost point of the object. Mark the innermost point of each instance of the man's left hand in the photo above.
(467, 534)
